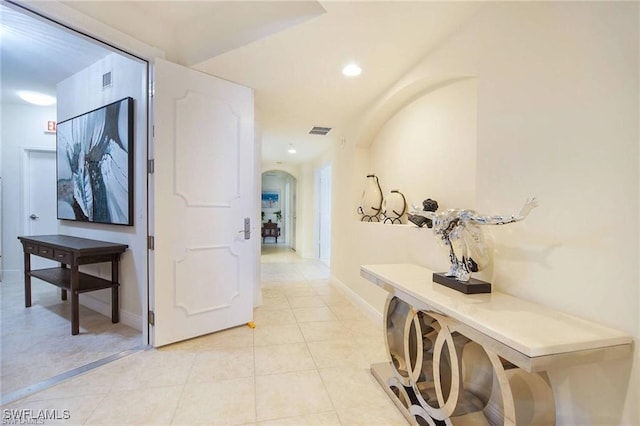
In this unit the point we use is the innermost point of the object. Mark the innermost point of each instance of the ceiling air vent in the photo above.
(319, 130)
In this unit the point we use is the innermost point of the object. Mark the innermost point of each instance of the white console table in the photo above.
(481, 358)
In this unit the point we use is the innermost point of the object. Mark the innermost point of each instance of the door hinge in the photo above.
(152, 89)
(152, 318)
(151, 166)
(151, 242)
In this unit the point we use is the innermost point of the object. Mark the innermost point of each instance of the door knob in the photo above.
(34, 216)
(247, 228)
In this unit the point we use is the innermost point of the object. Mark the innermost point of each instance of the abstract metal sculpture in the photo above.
(459, 230)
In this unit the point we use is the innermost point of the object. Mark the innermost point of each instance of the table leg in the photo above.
(27, 280)
(75, 306)
(115, 303)
(64, 291)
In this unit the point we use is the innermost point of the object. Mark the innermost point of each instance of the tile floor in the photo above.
(306, 363)
(36, 343)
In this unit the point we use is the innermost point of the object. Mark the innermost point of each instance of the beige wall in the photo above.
(428, 149)
(557, 117)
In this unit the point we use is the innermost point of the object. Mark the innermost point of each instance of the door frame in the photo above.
(321, 234)
(90, 29)
(25, 189)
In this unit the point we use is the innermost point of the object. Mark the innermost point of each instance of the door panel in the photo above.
(40, 209)
(203, 189)
(195, 114)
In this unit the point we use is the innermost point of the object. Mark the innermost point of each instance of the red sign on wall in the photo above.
(51, 127)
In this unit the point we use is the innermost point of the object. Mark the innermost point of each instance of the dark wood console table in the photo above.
(72, 252)
(270, 229)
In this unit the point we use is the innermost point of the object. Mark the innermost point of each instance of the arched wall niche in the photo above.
(397, 101)
(423, 143)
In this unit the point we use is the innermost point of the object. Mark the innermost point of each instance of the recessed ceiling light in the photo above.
(352, 70)
(292, 150)
(36, 98)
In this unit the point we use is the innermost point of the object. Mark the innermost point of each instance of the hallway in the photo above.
(306, 362)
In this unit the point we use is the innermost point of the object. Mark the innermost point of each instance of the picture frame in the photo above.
(94, 165)
(270, 199)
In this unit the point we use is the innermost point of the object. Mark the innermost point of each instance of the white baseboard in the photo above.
(368, 309)
(127, 318)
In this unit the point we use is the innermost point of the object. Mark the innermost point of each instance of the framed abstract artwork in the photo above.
(95, 165)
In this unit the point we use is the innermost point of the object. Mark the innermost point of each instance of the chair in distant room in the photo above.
(270, 229)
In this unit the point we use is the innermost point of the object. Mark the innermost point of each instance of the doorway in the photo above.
(40, 199)
(37, 346)
(323, 219)
(279, 206)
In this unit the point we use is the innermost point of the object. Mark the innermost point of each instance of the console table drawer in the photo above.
(44, 251)
(30, 248)
(62, 256)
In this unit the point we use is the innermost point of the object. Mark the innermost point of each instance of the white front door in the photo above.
(203, 193)
(39, 215)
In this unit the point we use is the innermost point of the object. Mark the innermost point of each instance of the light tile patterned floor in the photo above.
(306, 363)
(37, 343)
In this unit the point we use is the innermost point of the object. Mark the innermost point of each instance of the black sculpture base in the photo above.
(473, 286)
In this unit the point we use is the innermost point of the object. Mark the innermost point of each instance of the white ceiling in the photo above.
(291, 53)
(35, 56)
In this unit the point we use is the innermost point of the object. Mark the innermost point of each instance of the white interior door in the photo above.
(203, 186)
(40, 216)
